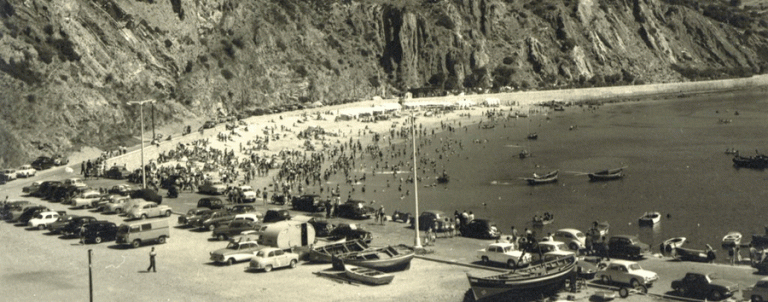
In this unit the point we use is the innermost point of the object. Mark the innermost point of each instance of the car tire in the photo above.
(293, 263)
(511, 264)
(97, 240)
(605, 279)
(230, 261)
(143, 216)
(168, 213)
(161, 240)
(268, 268)
(221, 237)
(485, 260)
(680, 291)
(573, 246)
(136, 243)
(634, 283)
(716, 295)
(118, 211)
(211, 227)
(41, 227)
(756, 298)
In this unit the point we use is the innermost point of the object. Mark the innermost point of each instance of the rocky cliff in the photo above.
(69, 67)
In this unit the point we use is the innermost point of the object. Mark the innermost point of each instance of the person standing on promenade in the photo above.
(514, 234)
(152, 255)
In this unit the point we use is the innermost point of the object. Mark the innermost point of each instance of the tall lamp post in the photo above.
(415, 181)
(141, 112)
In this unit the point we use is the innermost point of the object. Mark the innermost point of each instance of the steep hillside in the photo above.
(70, 66)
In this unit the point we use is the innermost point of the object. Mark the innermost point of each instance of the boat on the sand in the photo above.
(670, 244)
(387, 259)
(649, 218)
(609, 174)
(536, 277)
(324, 254)
(365, 275)
(686, 254)
(731, 239)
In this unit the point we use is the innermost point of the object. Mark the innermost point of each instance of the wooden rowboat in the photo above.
(323, 254)
(610, 174)
(367, 275)
(526, 281)
(387, 259)
(538, 179)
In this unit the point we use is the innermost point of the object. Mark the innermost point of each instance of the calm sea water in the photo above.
(673, 152)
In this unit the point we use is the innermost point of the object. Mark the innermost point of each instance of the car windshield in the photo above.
(39, 216)
(635, 267)
(233, 245)
(580, 235)
(261, 254)
(562, 247)
(191, 212)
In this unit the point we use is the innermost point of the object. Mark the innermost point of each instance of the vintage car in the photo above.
(147, 209)
(29, 213)
(148, 195)
(87, 199)
(504, 253)
(700, 285)
(234, 227)
(122, 205)
(268, 258)
(117, 172)
(354, 209)
(627, 272)
(235, 252)
(350, 231)
(213, 203)
(757, 292)
(103, 204)
(8, 174)
(215, 219)
(323, 228)
(626, 246)
(42, 220)
(573, 238)
(60, 160)
(58, 225)
(73, 228)
(213, 187)
(275, 215)
(99, 231)
(427, 219)
(308, 203)
(32, 189)
(241, 208)
(124, 190)
(192, 215)
(43, 163)
(45, 188)
(26, 171)
(247, 194)
(209, 124)
(480, 228)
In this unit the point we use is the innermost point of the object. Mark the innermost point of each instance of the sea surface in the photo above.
(672, 151)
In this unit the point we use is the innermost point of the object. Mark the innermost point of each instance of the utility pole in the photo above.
(415, 181)
(141, 110)
(153, 121)
(90, 274)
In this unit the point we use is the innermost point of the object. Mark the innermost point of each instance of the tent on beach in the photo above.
(492, 102)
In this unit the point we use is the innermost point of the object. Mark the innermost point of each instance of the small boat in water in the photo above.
(366, 275)
(610, 174)
(387, 259)
(731, 239)
(535, 277)
(538, 179)
(649, 218)
(324, 254)
(670, 244)
(533, 135)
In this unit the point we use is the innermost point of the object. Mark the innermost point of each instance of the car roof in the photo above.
(551, 242)
(625, 236)
(569, 230)
(623, 262)
(502, 244)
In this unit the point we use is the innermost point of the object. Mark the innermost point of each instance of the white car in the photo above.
(26, 171)
(8, 174)
(247, 194)
(147, 209)
(87, 199)
(573, 238)
(504, 252)
(627, 272)
(42, 220)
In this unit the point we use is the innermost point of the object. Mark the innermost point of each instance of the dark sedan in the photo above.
(480, 228)
(117, 172)
(350, 232)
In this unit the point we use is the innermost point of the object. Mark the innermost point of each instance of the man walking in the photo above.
(152, 255)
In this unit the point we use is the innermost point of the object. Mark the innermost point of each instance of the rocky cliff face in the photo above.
(69, 67)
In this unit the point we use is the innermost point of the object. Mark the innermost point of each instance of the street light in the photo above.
(141, 112)
(415, 181)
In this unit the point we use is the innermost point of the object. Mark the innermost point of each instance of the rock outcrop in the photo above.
(69, 67)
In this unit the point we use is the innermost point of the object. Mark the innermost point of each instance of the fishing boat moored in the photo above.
(610, 174)
(731, 239)
(536, 277)
(367, 275)
(324, 254)
(649, 218)
(387, 259)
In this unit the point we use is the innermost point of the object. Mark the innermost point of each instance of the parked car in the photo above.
(213, 187)
(77, 182)
(99, 231)
(308, 203)
(354, 209)
(58, 225)
(268, 258)
(67, 194)
(124, 190)
(122, 205)
(6, 212)
(212, 203)
(253, 216)
(504, 253)
(60, 160)
(217, 218)
(103, 203)
(117, 172)
(242, 209)
(87, 199)
(480, 228)
(148, 195)
(702, 285)
(626, 246)
(8, 174)
(43, 163)
(235, 252)
(42, 220)
(627, 272)
(26, 171)
(757, 292)
(323, 228)
(147, 209)
(350, 232)
(42, 190)
(209, 124)
(29, 213)
(247, 194)
(275, 215)
(427, 219)
(234, 227)
(32, 189)
(137, 233)
(192, 215)
(74, 226)
(575, 239)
